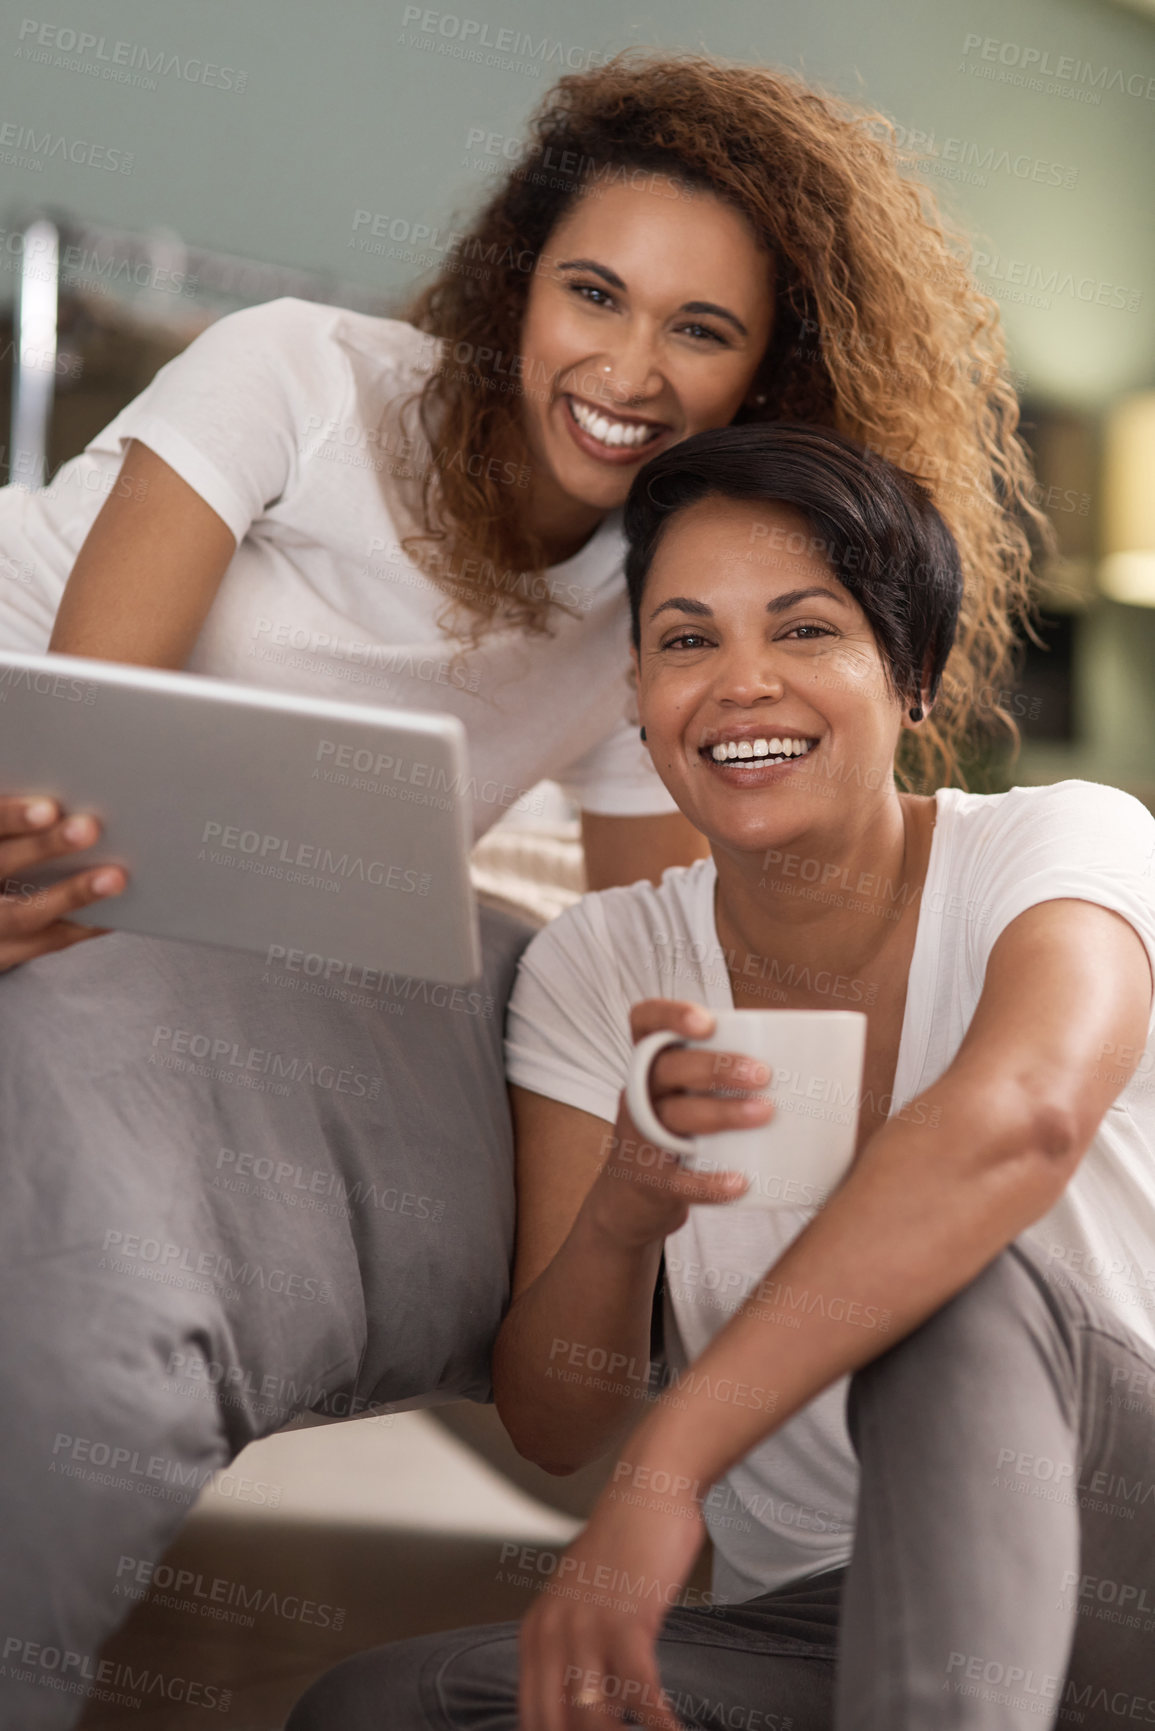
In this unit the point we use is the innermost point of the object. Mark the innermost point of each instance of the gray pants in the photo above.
(231, 1192)
(1003, 1572)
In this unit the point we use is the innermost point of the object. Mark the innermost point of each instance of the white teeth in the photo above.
(730, 749)
(607, 432)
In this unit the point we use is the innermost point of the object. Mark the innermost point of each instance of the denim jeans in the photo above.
(1003, 1571)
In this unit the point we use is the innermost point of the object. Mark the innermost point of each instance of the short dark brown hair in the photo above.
(876, 526)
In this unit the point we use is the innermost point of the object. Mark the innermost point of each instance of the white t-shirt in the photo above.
(787, 1510)
(287, 420)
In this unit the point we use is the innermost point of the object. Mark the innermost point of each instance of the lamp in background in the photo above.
(1127, 569)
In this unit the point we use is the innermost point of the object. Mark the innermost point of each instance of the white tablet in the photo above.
(254, 819)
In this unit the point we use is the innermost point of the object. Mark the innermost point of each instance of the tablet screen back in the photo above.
(253, 819)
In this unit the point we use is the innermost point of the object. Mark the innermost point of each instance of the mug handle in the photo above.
(641, 1111)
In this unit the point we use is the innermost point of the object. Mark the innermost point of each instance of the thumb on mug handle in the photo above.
(638, 1101)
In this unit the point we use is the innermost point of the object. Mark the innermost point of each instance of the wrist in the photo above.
(648, 1479)
(615, 1221)
(676, 1450)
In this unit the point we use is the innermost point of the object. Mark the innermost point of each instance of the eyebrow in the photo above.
(615, 281)
(780, 604)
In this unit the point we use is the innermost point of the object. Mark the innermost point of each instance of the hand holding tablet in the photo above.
(247, 818)
(34, 920)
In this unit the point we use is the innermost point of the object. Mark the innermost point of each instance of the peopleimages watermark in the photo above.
(229, 1059)
(320, 1191)
(997, 1680)
(95, 265)
(22, 146)
(355, 660)
(481, 43)
(62, 363)
(1029, 66)
(501, 153)
(727, 1288)
(718, 1501)
(122, 1468)
(678, 954)
(320, 867)
(1036, 284)
(367, 446)
(476, 578)
(378, 771)
(140, 1573)
(1109, 1601)
(125, 63)
(1118, 1278)
(108, 1680)
(568, 1574)
(1053, 1480)
(334, 971)
(140, 1254)
(63, 686)
(632, 1694)
(41, 258)
(966, 159)
(275, 1396)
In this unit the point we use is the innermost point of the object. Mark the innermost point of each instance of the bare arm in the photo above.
(143, 581)
(148, 570)
(570, 1366)
(594, 1293)
(620, 850)
(935, 1195)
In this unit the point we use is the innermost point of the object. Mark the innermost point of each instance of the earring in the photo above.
(643, 733)
(760, 399)
(916, 712)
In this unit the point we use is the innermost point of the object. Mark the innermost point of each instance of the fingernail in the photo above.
(106, 883)
(752, 1108)
(700, 1021)
(79, 829)
(39, 811)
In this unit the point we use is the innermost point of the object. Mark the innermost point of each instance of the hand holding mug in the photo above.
(644, 1191)
(813, 1061)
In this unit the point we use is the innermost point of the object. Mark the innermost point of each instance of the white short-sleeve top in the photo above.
(287, 420)
(787, 1510)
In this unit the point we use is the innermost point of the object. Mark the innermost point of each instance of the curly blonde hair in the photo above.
(879, 333)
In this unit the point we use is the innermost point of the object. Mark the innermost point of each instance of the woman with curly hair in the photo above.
(683, 244)
(427, 510)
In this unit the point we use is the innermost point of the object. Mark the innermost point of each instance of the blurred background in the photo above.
(164, 164)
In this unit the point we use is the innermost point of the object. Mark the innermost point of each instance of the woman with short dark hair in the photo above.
(897, 1411)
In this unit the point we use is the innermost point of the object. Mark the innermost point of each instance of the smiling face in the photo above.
(646, 320)
(760, 685)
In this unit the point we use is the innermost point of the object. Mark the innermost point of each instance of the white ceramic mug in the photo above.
(815, 1059)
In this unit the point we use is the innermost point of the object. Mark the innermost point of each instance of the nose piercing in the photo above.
(607, 368)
